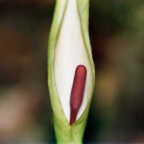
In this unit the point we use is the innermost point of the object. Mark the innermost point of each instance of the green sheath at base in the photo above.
(66, 134)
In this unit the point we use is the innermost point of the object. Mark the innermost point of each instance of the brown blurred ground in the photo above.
(25, 112)
(116, 31)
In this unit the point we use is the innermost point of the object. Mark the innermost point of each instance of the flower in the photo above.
(68, 49)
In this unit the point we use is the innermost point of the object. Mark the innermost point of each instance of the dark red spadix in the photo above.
(77, 91)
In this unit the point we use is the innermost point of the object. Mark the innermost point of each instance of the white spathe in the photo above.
(70, 52)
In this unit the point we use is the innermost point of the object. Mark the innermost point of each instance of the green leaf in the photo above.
(61, 38)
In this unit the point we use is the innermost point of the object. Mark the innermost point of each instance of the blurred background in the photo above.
(117, 39)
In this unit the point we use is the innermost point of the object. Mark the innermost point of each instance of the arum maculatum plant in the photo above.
(71, 74)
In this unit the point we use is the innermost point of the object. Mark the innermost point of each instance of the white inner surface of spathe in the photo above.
(70, 52)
